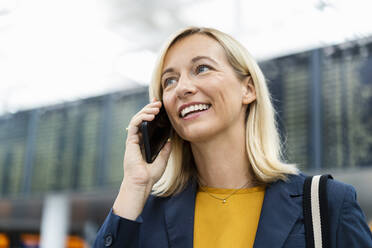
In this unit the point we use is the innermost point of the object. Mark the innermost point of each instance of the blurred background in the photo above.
(73, 73)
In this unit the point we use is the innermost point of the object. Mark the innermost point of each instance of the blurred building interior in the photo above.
(69, 155)
(323, 98)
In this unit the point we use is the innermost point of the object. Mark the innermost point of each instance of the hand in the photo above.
(136, 171)
(139, 176)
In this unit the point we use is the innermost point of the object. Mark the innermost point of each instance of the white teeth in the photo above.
(192, 108)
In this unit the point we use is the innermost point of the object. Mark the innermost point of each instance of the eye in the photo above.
(202, 68)
(169, 81)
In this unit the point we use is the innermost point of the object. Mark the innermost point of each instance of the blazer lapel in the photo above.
(179, 217)
(280, 210)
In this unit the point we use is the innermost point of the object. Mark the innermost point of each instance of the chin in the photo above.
(197, 134)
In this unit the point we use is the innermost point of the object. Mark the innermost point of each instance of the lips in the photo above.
(193, 107)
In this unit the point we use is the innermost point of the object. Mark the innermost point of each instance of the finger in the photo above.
(134, 124)
(141, 118)
(156, 103)
(151, 110)
(134, 139)
(146, 114)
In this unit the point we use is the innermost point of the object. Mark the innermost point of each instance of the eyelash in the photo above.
(196, 72)
(165, 81)
(200, 66)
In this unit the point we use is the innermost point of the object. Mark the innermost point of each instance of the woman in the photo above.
(219, 181)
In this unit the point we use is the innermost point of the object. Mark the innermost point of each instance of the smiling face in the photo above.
(201, 92)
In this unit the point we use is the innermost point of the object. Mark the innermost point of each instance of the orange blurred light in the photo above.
(30, 239)
(75, 242)
(4, 241)
(34, 239)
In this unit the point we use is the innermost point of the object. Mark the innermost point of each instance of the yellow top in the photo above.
(230, 224)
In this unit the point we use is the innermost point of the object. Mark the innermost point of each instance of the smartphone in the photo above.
(155, 134)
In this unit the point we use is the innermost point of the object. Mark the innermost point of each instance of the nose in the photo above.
(185, 87)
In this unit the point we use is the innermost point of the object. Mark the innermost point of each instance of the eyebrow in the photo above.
(203, 57)
(193, 60)
(166, 71)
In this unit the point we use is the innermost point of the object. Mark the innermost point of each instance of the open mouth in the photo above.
(194, 109)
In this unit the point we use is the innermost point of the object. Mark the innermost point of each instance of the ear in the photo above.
(249, 91)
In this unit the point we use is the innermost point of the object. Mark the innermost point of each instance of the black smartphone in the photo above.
(155, 134)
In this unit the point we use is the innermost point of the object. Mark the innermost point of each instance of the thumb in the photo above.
(164, 153)
(162, 159)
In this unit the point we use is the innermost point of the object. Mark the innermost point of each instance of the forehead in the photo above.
(191, 46)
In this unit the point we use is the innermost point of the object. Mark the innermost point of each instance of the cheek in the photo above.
(222, 95)
(167, 101)
(228, 99)
(170, 107)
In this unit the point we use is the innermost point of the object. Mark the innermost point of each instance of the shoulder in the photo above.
(335, 188)
(347, 220)
(338, 193)
(341, 196)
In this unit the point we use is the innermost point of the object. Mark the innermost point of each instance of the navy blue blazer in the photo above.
(169, 222)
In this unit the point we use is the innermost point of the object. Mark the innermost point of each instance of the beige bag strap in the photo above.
(315, 209)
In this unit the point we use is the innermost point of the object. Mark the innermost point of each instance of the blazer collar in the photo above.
(280, 210)
(179, 217)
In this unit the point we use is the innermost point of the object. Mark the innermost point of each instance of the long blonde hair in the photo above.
(262, 139)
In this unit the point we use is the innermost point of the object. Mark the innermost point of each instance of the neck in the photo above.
(222, 162)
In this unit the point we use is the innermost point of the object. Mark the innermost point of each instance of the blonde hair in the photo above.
(262, 139)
